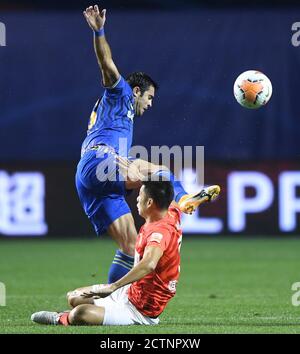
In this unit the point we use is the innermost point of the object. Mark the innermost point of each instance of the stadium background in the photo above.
(49, 82)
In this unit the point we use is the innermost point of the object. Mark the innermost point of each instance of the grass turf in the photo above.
(226, 285)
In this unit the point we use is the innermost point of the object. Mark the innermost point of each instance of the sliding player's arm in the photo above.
(147, 265)
(96, 20)
(151, 257)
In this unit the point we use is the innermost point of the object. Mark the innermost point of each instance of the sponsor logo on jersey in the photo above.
(156, 237)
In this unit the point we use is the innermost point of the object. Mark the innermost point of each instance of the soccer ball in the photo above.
(252, 89)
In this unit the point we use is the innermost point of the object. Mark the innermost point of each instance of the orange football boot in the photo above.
(190, 202)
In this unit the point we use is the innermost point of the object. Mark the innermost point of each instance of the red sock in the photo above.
(63, 319)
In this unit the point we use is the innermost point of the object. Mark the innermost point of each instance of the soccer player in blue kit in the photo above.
(101, 190)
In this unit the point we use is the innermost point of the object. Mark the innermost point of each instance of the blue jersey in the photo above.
(111, 122)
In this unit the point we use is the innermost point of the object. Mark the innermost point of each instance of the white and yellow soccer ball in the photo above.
(252, 89)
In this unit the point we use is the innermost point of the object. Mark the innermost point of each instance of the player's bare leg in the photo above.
(138, 169)
(86, 315)
(123, 232)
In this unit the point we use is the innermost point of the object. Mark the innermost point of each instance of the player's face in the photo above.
(142, 202)
(143, 102)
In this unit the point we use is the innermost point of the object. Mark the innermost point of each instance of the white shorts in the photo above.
(119, 311)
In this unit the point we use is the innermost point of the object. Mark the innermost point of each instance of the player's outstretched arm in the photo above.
(96, 20)
(147, 265)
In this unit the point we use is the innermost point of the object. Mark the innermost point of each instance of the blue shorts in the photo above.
(103, 200)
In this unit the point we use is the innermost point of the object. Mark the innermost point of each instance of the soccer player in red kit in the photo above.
(151, 294)
(142, 294)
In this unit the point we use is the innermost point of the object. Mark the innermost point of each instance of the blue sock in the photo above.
(120, 266)
(179, 191)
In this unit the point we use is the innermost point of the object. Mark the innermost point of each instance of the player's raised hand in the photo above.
(94, 17)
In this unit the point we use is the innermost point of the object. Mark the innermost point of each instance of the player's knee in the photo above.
(71, 301)
(74, 301)
(71, 298)
(79, 315)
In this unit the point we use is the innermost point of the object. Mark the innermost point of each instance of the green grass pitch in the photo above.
(234, 285)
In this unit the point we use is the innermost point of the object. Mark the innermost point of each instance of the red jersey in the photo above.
(151, 294)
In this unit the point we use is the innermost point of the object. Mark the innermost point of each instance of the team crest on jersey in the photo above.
(156, 237)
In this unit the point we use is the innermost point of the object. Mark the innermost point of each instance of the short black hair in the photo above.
(142, 80)
(161, 192)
